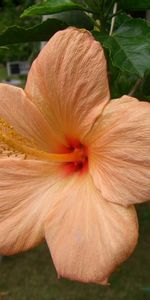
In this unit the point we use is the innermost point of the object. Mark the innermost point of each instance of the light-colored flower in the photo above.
(72, 162)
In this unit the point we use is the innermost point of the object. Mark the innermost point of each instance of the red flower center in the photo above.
(80, 166)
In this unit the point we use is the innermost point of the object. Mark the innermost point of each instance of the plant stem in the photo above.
(113, 18)
(137, 84)
(109, 9)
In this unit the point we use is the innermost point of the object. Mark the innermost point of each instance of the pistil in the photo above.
(75, 156)
(17, 144)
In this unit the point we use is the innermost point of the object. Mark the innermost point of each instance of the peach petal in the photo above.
(26, 193)
(119, 151)
(23, 115)
(68, 82)
(89, 237)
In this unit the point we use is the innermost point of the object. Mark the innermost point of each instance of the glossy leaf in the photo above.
(74, 18)
(53, 6)
(100, 36)
(41, 32)
(129, 46)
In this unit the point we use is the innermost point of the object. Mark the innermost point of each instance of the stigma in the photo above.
(79, 166)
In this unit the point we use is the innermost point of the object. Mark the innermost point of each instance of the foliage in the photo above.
(126, 42)
(10, 11)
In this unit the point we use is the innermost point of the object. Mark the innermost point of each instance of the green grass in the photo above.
(31, 275)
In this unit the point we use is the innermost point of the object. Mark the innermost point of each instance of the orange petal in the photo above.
(119, 151)
(68, 82)
(89, 237)
(26, 193)
(22, 114)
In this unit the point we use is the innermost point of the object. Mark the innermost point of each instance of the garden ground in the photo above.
(31, 275)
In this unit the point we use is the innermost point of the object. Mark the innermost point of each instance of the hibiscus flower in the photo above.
(72, 162)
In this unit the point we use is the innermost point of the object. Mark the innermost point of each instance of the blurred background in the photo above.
(31, 275)
(16, 59)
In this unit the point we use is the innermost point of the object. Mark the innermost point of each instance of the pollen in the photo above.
(11, 142)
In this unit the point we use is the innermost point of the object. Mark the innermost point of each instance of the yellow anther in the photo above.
(13, 143)
(54, 157)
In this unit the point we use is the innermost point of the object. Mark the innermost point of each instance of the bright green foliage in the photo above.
(129, 46)
(53, 6)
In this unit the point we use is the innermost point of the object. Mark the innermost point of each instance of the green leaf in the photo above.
(52, 7)
(129, 47)
(143, 92)
(121, 19)
(122, 84)
(146, 85)
(40, 32)
(134, 4)
(100, 36)
(3, 48)
(74, 18)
